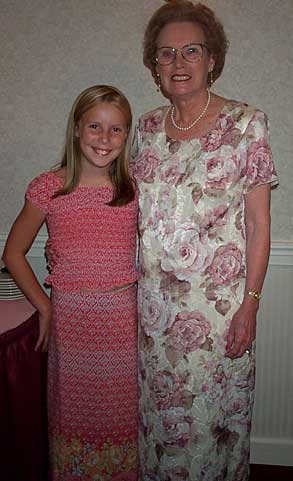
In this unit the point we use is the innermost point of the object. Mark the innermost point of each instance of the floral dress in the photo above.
(195, 404)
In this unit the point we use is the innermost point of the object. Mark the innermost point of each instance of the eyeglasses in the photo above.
(191, 53)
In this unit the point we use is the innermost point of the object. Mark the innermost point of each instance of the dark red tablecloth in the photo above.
(23, 423)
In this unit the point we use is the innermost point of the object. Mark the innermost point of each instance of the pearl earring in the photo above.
(158, 83)
(211, 78)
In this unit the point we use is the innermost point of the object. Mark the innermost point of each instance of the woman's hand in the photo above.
(44, 329)
(242, 329)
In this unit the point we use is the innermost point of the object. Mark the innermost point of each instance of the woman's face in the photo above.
(183, 79)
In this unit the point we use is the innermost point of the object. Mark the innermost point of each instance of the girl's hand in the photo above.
(44, 330)
(242, 329)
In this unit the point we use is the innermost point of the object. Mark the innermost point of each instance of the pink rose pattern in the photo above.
(227, 265)
(151, 123)
(189, 332)
(195, 404)
(146, 165)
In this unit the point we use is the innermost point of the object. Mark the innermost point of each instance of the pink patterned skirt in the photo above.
(92, 386)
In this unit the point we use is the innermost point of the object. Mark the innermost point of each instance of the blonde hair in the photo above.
(119, 173)
(186, 11)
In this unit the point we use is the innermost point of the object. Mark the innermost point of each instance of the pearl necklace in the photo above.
(172, 115)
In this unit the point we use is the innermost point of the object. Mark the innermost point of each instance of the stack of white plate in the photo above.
(8, 289)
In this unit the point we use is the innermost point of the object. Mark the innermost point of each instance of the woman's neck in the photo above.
(187, 109)
(206, 123)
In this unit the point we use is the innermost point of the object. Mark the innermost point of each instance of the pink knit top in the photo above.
(90, 244)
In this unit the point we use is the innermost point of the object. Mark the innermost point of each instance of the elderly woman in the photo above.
(204, 171)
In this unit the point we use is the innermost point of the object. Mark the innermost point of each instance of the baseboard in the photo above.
(271, 451)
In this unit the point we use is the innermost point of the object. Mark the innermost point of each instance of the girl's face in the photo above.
(102, 132)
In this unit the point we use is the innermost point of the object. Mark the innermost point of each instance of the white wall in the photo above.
(272, 428)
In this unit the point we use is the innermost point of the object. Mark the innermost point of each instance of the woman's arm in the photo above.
(19, 241)
(257, 221)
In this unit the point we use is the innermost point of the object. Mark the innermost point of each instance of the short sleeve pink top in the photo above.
(90, 244)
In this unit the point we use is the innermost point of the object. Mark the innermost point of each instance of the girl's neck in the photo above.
(94, 181)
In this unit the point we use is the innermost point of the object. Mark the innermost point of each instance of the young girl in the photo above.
(90, 209)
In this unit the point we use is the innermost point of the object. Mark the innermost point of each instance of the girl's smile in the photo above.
(101, 151)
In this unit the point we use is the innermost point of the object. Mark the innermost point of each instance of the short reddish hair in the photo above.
(186, 11)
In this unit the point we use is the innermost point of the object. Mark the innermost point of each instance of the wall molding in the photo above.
(281, 251)
(37, 249)
(275, 451)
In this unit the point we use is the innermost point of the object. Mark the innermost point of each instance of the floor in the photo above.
(261, 472)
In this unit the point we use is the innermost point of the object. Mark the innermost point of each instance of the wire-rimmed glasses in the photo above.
(192, 52)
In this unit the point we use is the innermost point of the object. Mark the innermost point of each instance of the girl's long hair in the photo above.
(119, 172)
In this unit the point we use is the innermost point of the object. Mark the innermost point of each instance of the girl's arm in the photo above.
(257, 221)
(19, 241)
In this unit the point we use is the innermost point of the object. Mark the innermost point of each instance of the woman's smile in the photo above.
(180, 78)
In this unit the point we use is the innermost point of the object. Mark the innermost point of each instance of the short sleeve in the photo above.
(41, 190)
(135, 147)
(259, 163)
(135, 143)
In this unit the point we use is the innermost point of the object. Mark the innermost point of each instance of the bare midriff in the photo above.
(87, 290)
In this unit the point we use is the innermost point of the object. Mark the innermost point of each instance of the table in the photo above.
(23, 419)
